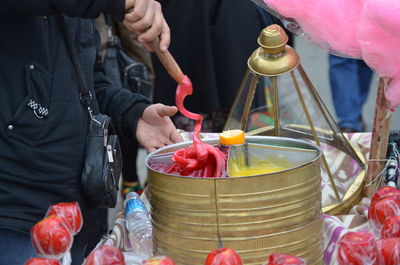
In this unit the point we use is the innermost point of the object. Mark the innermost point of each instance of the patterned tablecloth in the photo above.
(335, 226)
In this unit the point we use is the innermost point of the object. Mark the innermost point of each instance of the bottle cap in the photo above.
(232, 137)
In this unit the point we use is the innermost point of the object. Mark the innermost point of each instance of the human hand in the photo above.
(155, 128)
(145, 18)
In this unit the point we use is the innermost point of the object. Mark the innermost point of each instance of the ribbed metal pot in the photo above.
(254, 215)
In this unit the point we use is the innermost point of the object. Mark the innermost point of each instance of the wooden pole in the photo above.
(168, 62)
(379, 140)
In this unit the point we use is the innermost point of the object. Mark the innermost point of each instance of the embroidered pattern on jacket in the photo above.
(38, 110)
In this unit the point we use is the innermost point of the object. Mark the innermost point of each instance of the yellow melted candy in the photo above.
(238, 167)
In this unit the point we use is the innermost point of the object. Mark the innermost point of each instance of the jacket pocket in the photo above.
(29, 122)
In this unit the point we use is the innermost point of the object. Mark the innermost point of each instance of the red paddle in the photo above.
(200, 159)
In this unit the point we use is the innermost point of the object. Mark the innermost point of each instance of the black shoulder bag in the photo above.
(103, 161)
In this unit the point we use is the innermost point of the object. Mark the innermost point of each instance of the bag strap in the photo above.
(84, 93)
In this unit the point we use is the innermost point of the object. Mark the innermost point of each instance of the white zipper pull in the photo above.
(110, 154)
(105, 136)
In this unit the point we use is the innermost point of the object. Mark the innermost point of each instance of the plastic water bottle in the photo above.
(138, 223)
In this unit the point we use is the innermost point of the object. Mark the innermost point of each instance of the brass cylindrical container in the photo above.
(254, 215)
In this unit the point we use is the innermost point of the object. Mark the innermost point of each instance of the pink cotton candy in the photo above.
(288, 8)
(378, 34)
(327, 23)
(367, 29)
(392, 94)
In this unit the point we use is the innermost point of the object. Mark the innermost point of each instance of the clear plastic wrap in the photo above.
(223, 256)
(391, 227)
(367, 29)
(380, 210)
(105, 255)
(71, 212)
(284, 259)
(42, 261)
(158, 260)
(390, 250)
(358, 248)
(51, 238)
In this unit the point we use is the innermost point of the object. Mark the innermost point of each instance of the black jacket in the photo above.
(212, 46)
(41, 154)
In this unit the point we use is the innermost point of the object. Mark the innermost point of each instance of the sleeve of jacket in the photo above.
(71, 8)
(122, 105)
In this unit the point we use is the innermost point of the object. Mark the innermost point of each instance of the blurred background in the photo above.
(315, 63)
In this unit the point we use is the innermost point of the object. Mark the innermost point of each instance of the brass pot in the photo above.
(254, 215)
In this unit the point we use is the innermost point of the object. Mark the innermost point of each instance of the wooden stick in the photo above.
(168, 61)
(379, 140)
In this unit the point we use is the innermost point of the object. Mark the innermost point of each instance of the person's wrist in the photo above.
(131, 117)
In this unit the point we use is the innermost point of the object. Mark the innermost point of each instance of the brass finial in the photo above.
(274, 57)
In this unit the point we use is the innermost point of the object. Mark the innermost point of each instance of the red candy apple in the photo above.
(42, 261)
(358, 248)
(105, 255)
(391, 227)
(71, 212)
(390, 250)
(223, 256)
(284, 259)
(384, 192)
(158, 260)
(384, 208)
(51, 238)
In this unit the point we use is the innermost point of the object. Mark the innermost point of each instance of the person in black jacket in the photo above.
(43, 124)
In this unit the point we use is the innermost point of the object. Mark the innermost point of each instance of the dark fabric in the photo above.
(41, 159)
(211, 41)
(71, 8)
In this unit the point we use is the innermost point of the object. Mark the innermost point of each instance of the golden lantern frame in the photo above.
(275, 58)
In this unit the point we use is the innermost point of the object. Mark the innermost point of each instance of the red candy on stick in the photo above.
(71, 212)
(185, 88)
(384, 192)
(158, 260)
(358, 248)
(223, 256)
(51, 238)
(382, 209)
(390, 250)
(105, 255)
(199, 159)
(42, 261)
(391, 227)
(284, 259)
